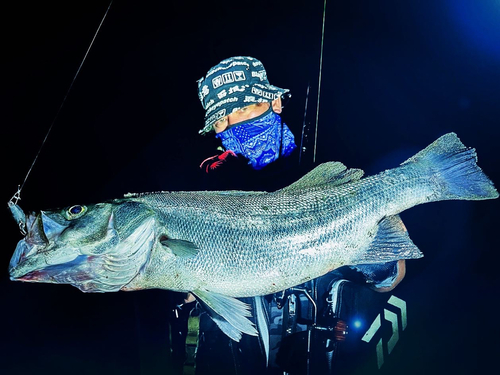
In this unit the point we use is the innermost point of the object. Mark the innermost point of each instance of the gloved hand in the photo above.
(215, 161)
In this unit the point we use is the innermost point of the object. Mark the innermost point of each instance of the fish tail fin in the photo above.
(453, 166)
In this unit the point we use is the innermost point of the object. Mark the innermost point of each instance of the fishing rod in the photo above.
(12, 203)
(304, 125)
(319, 81)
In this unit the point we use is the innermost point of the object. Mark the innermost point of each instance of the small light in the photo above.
(357, 324)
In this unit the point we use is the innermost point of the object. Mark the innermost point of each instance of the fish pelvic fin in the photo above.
(230, 314)
(391, 242)
(453, 166)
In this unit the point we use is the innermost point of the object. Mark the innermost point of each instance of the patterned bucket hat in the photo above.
(232, 84)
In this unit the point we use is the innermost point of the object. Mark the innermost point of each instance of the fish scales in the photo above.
(285, 237)
(221, 245)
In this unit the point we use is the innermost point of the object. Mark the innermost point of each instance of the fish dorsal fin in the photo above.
(333, 173)
(391, 242)
(180, 248)
(230, 315)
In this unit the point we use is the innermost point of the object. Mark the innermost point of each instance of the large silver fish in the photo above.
(221, 245)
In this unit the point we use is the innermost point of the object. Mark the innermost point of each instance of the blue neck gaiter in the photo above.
(261, 140)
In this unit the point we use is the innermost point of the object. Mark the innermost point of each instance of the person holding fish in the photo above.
(267, 266)
(243, 110)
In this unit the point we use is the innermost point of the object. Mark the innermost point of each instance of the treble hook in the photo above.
(17, 211)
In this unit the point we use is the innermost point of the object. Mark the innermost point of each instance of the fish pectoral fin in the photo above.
(230, 314)
(391, 242)
(180, 248)
(333, 173)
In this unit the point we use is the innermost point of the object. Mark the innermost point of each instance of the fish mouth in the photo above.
(27, 262)
(46, 255)
(24, 266)
(33, 276)
(22, 249)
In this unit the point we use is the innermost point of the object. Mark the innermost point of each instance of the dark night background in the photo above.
(396, 76)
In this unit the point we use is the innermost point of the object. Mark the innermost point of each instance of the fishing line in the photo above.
(17, 195)
(319, 81)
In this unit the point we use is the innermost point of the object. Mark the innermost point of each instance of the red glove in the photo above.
(215, 161)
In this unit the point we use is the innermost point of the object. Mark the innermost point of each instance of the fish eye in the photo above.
(75, 211)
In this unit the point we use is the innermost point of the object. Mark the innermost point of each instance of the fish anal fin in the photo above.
(391, 242)
(230, 314)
